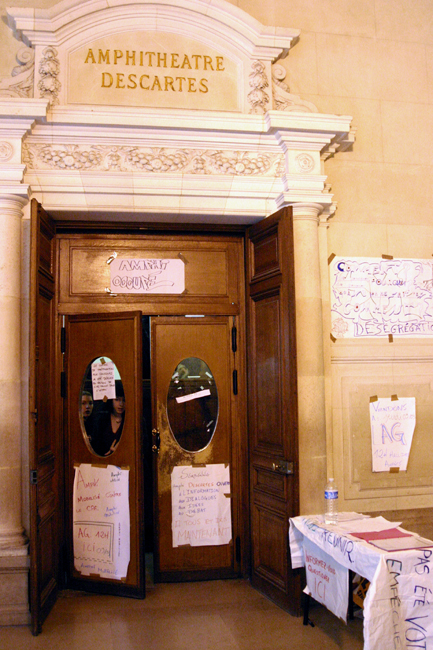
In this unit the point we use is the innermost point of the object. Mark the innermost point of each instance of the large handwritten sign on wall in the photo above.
(379, 297)
(147, 276)
(327, 580)
(201, 511)
(101, 521)
(392, 426)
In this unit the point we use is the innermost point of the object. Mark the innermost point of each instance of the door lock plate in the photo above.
(283, 467)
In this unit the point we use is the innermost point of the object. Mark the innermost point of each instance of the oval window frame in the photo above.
(203, 381)
(102, 412)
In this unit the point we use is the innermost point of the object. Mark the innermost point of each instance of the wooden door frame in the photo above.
(65, 228)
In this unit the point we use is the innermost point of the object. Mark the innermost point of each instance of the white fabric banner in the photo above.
(361, 558)
(327, 580)
(398, 609)
(101, 534)
(201, 511)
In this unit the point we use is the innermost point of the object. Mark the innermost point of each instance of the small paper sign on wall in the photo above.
(201, 511)
(392, 426)
(147, 276)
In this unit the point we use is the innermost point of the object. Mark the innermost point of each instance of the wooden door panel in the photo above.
(45, 518)
(117, 337)
(213, 278)
(270, 552)
(272, 401)
(267, 350)
(175, 339)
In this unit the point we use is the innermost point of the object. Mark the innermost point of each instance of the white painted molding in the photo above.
(66, 19)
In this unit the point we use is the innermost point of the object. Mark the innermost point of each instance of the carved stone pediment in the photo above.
(168, 107)
(187, 55)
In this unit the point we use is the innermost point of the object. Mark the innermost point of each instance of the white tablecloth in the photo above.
(398, 609)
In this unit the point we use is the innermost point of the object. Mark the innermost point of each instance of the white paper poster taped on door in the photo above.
(101, 535)
(327, 580)
(147, 276)
(201, 511)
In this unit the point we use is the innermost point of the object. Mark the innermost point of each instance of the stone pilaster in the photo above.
(311, 380)
(17, 118)
(13, 541)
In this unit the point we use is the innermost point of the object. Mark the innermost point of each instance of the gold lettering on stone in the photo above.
(147, 68)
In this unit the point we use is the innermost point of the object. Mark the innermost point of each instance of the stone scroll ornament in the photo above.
(20, 83)
(49, 69)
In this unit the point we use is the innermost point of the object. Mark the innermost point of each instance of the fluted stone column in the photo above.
(311, 380)
(13, 542)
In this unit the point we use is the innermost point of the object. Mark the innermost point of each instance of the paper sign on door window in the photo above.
(103, 380)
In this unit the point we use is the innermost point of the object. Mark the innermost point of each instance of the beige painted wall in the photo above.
(372, 59)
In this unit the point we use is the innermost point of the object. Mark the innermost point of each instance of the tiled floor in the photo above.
(217, 615)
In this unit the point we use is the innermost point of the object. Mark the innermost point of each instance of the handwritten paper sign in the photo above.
(101, 535)
(327, 580)
(147, 276)
(378, 297)
(201, 511)
(392, 426)
(103, 380)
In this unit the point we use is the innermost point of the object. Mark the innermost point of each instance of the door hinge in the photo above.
(63, 384)
(238, 549)
(156, 441)
(283, 467)
(234, 338)
(33, 477)
(235, 382)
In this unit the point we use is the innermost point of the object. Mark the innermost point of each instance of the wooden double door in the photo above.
(244, 417)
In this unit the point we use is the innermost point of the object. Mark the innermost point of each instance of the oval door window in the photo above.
(102, 406)
(192, 404)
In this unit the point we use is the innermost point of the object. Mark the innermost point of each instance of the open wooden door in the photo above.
(103, 453)
(273, 441)
(192, 380)
(43, 439)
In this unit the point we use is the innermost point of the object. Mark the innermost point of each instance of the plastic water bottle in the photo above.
(331, 502)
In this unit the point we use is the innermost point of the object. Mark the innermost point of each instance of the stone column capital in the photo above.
(307, 211)
(14, 202)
